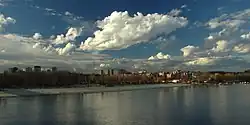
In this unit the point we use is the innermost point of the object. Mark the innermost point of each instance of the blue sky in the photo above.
(54, 17)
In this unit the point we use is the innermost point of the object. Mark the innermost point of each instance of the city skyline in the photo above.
(155, 36)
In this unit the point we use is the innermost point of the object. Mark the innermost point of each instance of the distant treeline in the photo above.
(69, 79)
(64, 79)
(232, 77)
(215, 77)
(44, 79)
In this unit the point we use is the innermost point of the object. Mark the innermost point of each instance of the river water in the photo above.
(228, 105)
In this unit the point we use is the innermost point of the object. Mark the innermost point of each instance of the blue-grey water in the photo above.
(229, 105)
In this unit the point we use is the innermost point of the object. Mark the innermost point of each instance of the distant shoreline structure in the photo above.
(37, 77)
(87, 90)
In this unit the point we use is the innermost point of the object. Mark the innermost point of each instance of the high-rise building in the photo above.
(28, 69)
(102, 72)
(109, 72)
(13, 70)
(54, 69)
(112, 72)
(37, 68)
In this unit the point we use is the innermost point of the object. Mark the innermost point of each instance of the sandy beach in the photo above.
(57, 91)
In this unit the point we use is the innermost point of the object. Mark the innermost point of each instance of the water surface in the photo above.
(229, 105)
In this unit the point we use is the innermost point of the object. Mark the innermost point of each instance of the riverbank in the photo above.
(5, 94)
(85, 90)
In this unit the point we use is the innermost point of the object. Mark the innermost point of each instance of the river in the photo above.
(226, 105)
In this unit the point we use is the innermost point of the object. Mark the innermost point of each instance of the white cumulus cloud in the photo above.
(175, 12)
(37, 36)
(4, 21)
(184, 6)
(71, 35)
(242, 48)
(230, 27)
(221, 46)
(160, 56)
(67, 13)
(245, 36)
(227, 23)
(210, 37)
(189, 50)
(120, 30)
(70, 47)
(27, 51)
(201, 61)
(232, 20)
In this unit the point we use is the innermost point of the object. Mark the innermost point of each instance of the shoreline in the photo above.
(84, 90)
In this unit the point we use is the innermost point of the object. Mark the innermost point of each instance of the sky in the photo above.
(153, 35)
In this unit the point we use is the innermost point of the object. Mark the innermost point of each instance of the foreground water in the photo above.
(228, 105)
